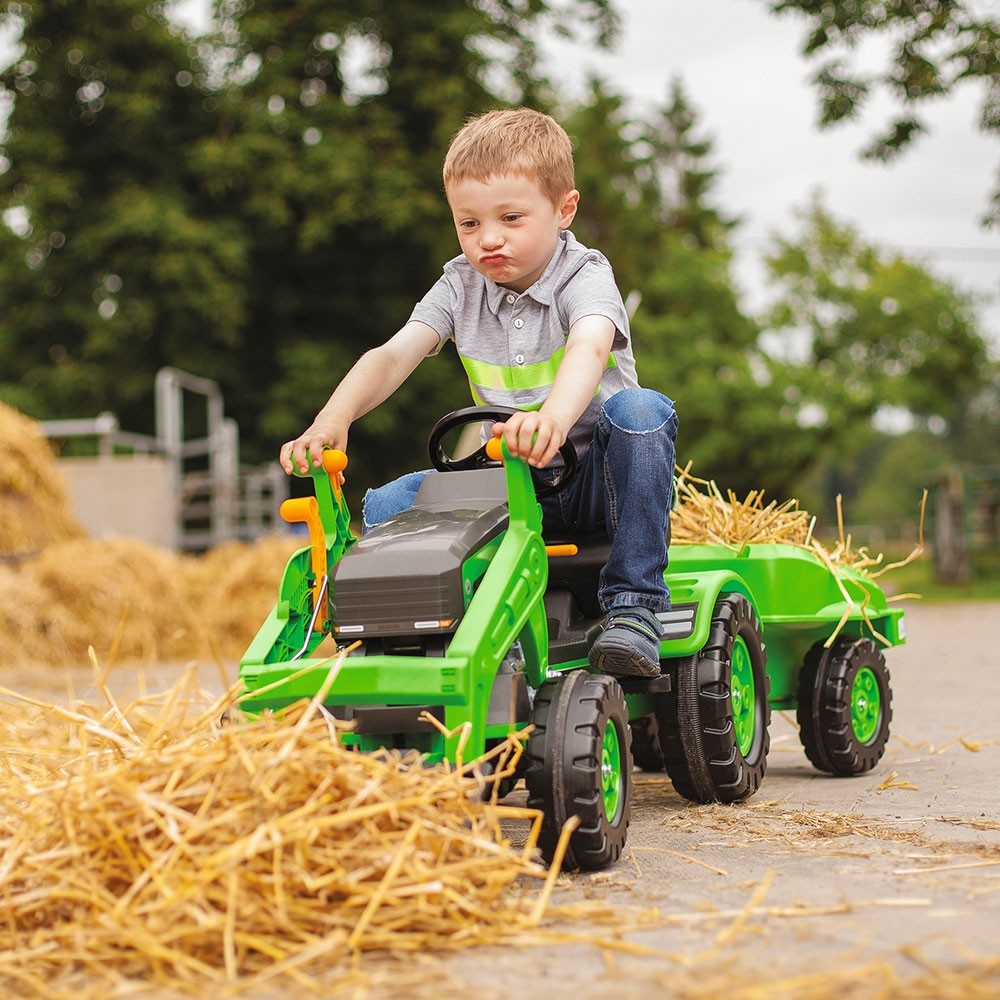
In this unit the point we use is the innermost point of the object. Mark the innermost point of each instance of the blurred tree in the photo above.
(259, 205)
(112, 264)
(935, 46)
(341, 116)
(330, 156)
(695, 344)
(868, 329)
(860, 335)
(880, 480)
(678, 160)
(976, 439)
(617, 209)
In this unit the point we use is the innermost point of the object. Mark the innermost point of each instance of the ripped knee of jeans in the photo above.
(639, 411)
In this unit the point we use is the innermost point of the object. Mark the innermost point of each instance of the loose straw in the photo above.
(152, 844)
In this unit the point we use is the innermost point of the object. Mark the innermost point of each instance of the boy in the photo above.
(539, 325)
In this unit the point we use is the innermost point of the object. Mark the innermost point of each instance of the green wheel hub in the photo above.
(743, 691)
(611, 772)
(866, 705)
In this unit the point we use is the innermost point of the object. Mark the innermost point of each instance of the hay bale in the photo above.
(122, 596)
(34, 504)
(233, 587)
(58, 601)
(25, 617)
(134, 602)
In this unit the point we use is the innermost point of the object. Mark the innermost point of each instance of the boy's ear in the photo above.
(568, 210)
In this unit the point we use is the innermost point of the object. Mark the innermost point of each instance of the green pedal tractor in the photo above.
(467, 626)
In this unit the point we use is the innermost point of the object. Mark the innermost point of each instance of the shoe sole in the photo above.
(619, 658)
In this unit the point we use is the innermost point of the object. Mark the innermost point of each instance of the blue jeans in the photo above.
(624, 485)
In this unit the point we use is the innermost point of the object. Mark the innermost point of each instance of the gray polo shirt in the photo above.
(511, 344)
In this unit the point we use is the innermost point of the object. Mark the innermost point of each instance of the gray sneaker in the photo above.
(629, 644)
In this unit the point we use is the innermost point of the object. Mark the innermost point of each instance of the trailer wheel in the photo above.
(714, 722)
(845, 706)
(580, 764)
(646, 752)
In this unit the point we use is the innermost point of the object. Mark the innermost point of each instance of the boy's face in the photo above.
(507, 227)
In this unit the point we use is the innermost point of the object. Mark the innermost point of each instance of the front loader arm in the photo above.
(302, 615)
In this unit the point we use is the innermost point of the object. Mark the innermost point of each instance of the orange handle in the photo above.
(306, 510)
(335, 461)
(569, 549)
(493, 449)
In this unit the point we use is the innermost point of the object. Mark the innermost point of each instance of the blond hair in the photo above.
(513, 141)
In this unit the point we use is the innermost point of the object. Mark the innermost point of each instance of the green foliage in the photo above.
(679, 162)
(880, 480)
(856, 330)
(693, 343)
(934, 47)
(891, 475)
(858, 337)
(118, 259)
(648, 203)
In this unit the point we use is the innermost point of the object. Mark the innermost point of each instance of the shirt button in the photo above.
(518, 323)
(511, 298)
(518, 359)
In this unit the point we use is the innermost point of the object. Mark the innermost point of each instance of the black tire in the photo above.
(571, 773)
(502, 786)
(845, 706)
(715, 751)
(646, 752)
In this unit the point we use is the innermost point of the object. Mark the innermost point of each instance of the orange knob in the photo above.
(334, 460)
(493, 449)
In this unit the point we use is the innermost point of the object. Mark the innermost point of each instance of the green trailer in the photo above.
(465, 626)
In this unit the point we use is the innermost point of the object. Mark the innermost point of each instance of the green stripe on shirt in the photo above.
(514, 378)
(517, 378)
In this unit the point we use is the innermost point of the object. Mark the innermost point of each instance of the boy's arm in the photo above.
(538, 434)
(375, 376)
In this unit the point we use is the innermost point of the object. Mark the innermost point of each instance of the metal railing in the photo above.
(107, 432)
(216, 499)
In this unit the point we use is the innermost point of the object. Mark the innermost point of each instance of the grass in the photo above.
(918, 578)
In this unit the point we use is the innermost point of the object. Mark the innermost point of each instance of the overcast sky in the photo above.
(742, 72)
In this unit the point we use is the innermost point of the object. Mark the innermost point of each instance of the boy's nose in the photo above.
(490, 239)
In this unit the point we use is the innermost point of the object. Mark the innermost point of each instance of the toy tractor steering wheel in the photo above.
(480, 460)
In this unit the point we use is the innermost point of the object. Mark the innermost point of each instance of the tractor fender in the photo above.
(693, 600)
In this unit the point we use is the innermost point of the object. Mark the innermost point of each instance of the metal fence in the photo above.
(215, 498)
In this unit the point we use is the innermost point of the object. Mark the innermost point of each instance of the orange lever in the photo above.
(569, 549)
(306, 510)
(335, 461)
(493, 449)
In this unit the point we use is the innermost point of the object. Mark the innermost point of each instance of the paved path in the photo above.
(818, 887)
(852, 883)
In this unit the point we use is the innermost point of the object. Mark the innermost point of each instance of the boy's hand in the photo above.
(319, 435)
(532, 435)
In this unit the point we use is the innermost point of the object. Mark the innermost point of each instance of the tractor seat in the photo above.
(580, 574)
